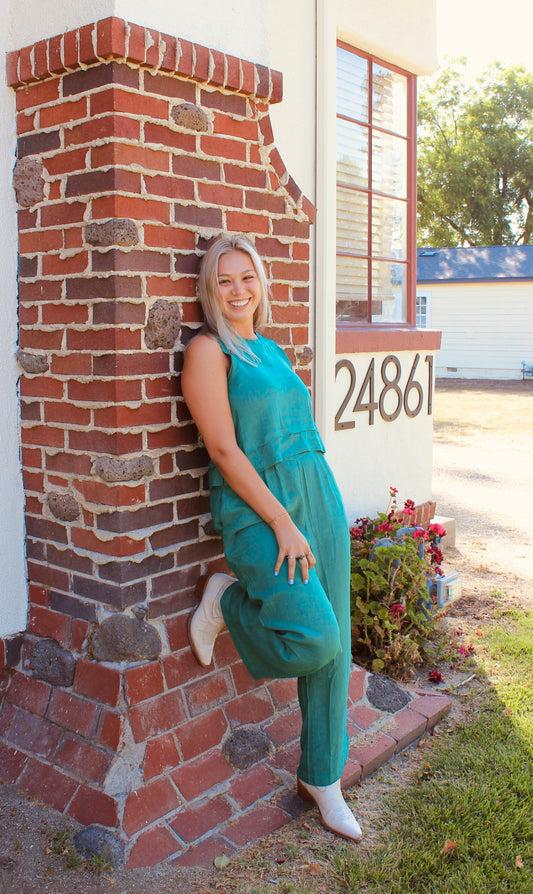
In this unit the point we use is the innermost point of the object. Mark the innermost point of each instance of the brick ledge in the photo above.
(116, 39)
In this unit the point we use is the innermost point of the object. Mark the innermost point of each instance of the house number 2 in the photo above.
(391, 400)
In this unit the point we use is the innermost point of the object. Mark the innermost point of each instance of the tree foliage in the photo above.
(475, 158)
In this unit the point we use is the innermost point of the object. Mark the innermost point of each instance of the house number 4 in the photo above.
(391, 400)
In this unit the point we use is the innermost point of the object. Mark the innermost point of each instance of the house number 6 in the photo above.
(391, 400)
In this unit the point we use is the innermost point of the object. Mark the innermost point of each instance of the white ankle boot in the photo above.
(335, 815)
(206, 622)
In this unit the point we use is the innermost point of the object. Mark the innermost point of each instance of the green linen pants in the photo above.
(303, 631)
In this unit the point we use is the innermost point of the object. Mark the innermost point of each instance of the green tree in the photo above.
(475, 158)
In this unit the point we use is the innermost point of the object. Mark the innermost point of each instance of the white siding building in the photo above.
(482, 301)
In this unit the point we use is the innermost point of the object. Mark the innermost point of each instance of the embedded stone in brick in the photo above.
(386, 695)
(246, 747)
(163, 325)
(304, 355)
(186, 114)
(120, 638)
(96, 842)
(51, 663)
(117, 231)
(125, 774)
(63, 506)
(34, 364)
(208, 528)
(28, 181)
(109, 468)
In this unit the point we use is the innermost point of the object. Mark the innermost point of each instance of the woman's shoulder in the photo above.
(204, 345)
(205, 353)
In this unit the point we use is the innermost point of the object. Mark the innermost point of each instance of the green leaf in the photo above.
(377, 665)
(221, 862)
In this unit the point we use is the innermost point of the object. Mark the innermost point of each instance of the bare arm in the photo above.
(205, 389)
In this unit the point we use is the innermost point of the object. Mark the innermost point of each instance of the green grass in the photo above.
(477, 792)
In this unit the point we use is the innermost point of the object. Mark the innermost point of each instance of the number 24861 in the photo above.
(391, 398)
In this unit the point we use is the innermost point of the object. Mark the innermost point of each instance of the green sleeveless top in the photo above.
(272, 414)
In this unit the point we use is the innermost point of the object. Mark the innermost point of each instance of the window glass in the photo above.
(388, 292)
(376, 147)
(352, 153)
(389, 228)
(352, 221)
(389, 164)
(421, 311)
(352, 85)
(389, 99)
(352, 289)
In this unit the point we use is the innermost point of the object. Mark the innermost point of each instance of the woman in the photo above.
(278, 509)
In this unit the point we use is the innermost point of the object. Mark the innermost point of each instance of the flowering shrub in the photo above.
(391, 562)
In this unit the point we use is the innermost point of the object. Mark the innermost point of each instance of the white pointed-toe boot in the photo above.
(207, 620)
(335, 815)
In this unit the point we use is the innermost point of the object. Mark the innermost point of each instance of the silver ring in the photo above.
(291, 557)
(300, 557)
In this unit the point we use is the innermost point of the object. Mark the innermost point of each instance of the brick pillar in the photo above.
(134, 150)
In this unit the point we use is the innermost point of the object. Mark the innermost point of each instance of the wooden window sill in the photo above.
(362, 340)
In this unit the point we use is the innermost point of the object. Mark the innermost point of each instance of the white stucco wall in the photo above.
(400, 32)
(370, 458)
(487, 328)
(13, 601)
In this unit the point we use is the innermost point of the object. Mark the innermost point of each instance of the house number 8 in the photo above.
(391, 400)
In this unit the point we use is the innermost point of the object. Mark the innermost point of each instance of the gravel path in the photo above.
(483, 475)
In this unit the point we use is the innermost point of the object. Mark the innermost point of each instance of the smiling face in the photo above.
(239, 291)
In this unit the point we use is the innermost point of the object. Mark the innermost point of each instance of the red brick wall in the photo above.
(110, 149)
(96, 118)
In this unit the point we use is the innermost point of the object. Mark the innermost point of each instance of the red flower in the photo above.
(437, 530)
(397, 610)
(435, 676)
(408, 507)
(436, 555)
(385, 526)
(420, 534)
(393, 491)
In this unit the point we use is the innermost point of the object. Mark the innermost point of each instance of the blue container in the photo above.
(444, 590)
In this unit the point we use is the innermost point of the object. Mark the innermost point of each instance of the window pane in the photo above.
(352, 288)
(389, 99)
(389, 164)
(421, 312)
(352, 85)
(389, 228)
(352, 221)
(352, 153)
(389, 292)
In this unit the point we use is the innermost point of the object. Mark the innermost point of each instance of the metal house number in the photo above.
(387, 391)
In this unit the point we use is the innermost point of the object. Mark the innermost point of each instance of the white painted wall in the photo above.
(367, 459)
(370, 458)
(13, 600)
(487, 328)
(400, 32)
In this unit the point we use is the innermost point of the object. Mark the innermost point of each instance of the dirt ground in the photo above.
(483, 474)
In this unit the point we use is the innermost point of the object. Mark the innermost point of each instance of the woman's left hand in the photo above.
(293, 546)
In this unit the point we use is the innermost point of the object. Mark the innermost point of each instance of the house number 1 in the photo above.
(410, 400)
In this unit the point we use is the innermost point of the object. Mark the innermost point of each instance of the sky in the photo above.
(486, 31)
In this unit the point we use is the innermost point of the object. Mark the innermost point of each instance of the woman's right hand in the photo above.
(292, 546)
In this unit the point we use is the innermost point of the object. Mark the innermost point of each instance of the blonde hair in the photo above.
(208, 294)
